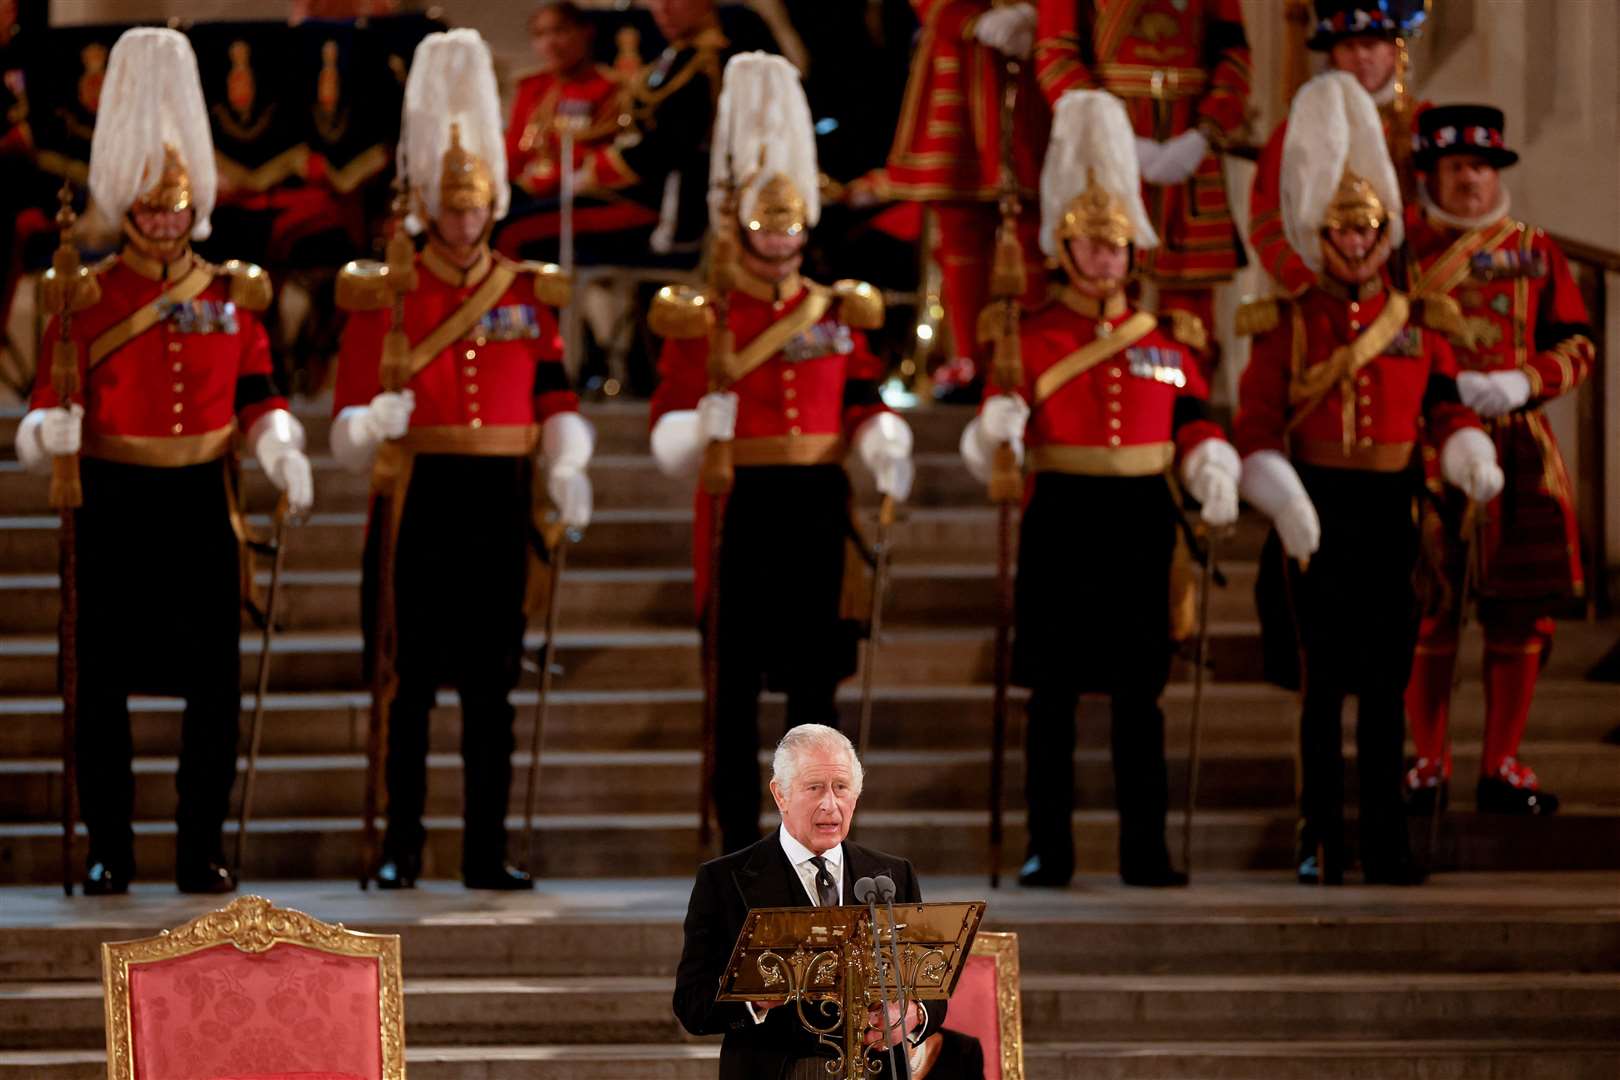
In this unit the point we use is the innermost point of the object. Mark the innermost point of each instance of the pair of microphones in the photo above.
(869, 891)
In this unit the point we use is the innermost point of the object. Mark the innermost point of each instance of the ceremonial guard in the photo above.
(774, 369)
(172, 376)
(1528, 342)
(1111, 400)
(1182, 68)
(449, 380)
(569, 87)
(948, 153)
(1366, 38)
(666, 119)
(1343, 382)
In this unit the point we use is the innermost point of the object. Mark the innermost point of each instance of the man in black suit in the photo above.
(816, 781)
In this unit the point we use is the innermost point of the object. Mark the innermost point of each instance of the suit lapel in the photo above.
(767, 879)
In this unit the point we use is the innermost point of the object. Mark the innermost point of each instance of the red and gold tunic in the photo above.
(496, 379)
(1178, 65)
(534, 136)
(1523, 312)
(173, 360)
(1266, 232)
(1111, 391)
(1348, 381)
(948, 143)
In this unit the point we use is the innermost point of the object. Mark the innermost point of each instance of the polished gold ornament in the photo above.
(172, 191)
(1355, 205)
(778, 208)
(464, 180)
(1097, 213)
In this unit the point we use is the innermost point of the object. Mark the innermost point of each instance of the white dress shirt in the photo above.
(800, 857)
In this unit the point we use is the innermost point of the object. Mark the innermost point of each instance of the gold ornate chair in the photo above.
(254, 992)
(984, 1021)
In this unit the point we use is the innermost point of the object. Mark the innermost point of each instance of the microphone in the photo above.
(867, 891)
(885, 888)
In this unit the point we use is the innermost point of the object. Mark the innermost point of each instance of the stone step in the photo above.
(648, 782)
(947, 841)
(1077, 1008)
(942, 716)
(668, 658)
(621, 599)
(1417, 1059)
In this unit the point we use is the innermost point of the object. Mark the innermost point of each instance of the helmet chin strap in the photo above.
(166, 251)
(1352, 270)
(1101, 287)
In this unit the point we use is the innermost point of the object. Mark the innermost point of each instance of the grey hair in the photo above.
(806, 737)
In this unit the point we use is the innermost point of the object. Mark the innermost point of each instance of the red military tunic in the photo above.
(505, 372)
(177, 392)
(1524, 312)
(534, 137)
(1129, 415)
(948, 142)
(1266, 233)
(801, 405)
(1178, 65)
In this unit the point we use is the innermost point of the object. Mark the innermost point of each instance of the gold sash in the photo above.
(1088, 356)
(770, 341)
(462, 320)
(1314, 384)
(1453, 266)
(150, 314)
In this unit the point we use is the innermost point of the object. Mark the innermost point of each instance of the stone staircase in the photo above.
(619, 779)
(1248, 976)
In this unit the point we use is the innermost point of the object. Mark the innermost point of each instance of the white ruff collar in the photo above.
(1491, 216)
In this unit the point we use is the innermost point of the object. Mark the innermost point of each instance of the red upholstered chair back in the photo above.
(985, 1005)
(254, 992)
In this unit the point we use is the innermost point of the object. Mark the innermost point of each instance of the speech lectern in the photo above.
(822, 962)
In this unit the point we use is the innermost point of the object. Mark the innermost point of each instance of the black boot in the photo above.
(498, 874)
(103, 877)
(399, 870)
(1039, 872)
(1319, 853)
(1496, 796)
(205, 876)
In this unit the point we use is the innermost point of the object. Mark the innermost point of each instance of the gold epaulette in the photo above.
(250, 285)
(1443, 314)
(362, 285)
(859, 305)
(552, 287)
(1186, 328)
(680, 312)
(1258, 316)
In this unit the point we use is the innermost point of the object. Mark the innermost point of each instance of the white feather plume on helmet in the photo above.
(1334, 134)
(451, 88)
(1092, 142)
(152, 98)
(763, 135)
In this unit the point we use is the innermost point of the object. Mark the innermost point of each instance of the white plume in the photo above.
(1090, 130)
(763, 111)
(1332, 125)
(151, 95)
(452, 81)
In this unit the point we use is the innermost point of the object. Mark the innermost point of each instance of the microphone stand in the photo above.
(885, 889)
(867, 890)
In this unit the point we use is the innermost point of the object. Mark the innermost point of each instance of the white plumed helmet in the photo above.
(452, 146)
(1091, 183)
(765, 143)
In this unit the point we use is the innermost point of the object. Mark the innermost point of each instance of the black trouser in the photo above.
(1141, 785)
(159, 613)
(737, 787)
(1380, 734)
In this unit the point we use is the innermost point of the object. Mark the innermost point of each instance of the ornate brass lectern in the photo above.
(823, 963)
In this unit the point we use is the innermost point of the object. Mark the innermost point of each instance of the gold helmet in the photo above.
(1098, 213)
(1355, 205)
(464, 178)
(764, 150)
(1090, 183)
(172, 192)
(779, 207)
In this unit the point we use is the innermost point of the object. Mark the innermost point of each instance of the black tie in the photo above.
(826, 891)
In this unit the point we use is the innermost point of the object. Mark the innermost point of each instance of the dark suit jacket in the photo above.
(726, 889)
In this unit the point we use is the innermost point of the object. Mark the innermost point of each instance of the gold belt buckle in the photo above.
(1156, 87)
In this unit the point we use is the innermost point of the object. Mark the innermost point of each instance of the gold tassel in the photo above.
(1008, 279)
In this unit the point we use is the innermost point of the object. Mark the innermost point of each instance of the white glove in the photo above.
(1009, 30)
(1273, 487)
(1211, 472)
(391, 412)
(277, 439)
(1002, 420)
(717, 416)
(1148, 155)
(567, 440)
(1178, 158)
(883, 444)
(1493, 393)
(44, 434)
(1468, 461)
